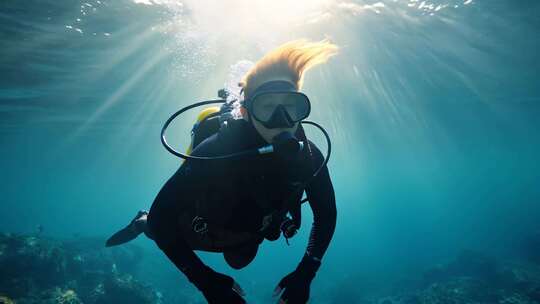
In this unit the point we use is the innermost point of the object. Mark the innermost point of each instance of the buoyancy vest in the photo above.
(206, 224)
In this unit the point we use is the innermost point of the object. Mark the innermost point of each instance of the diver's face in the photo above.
(269, 134)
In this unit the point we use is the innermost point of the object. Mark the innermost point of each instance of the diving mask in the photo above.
(277, 104)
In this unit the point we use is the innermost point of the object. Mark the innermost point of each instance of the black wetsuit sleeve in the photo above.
(320, 193)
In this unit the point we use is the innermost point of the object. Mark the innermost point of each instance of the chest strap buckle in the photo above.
(199, 225)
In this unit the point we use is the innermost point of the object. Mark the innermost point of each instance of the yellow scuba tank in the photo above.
(199, 123)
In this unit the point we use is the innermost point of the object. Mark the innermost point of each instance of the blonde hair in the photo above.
(290, 61)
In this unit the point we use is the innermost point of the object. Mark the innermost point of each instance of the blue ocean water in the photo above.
(433, 108)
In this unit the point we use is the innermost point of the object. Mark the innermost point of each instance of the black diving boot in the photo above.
(130, 232)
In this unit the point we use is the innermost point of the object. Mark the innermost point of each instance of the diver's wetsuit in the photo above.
(236, 185)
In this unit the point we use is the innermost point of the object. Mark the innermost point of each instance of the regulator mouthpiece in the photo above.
(285, 144)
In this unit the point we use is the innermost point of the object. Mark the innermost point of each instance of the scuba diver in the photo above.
(223, 199)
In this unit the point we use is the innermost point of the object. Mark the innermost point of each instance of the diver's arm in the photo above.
(320, 193)
(216, 287)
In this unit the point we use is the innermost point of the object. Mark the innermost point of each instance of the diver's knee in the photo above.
(241, 257)
(236, 263)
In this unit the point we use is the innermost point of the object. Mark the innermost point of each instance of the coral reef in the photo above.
(6, 300)
(36, 269)
(471, 278)
(476, 278)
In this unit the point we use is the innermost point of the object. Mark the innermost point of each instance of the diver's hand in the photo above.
(296, 284)
(219, 288)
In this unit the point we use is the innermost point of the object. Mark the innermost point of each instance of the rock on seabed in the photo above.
(42, 270)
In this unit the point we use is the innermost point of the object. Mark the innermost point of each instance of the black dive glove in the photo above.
(297, 283)
(217, 288)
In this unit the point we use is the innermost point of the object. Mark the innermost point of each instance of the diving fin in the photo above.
(130, 232)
